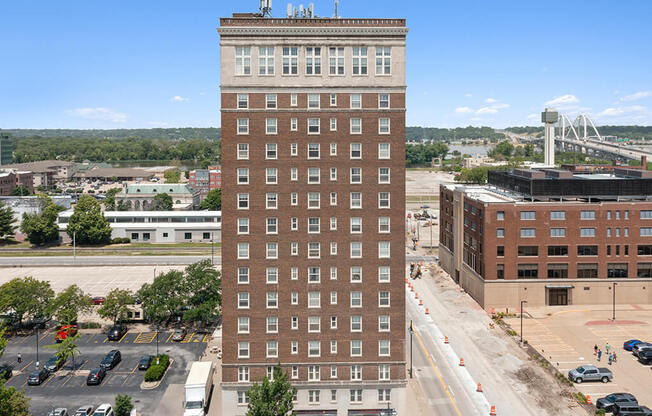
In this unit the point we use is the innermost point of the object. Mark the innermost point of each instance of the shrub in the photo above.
(121, 240)
(511, 332)
(155, 371)
(581, 398)
(90, 325)
(600, 412)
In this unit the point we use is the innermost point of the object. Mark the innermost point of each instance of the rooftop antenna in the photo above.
(266, 8)
(337, 2)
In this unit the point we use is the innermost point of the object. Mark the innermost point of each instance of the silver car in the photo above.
(84, 411)
(178, 335)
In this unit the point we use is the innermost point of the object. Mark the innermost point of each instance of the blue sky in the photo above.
(140, 64)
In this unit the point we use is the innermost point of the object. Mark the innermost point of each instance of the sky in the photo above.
(144, 64)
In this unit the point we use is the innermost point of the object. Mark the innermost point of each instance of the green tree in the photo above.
(13, 402)
(20, 190)
(7, 227)
(88, 224)
(477, 175)
(123, 405)
(25, 297)
(69, 303)
(162, 202)
(66, 349)
(164, 296)
(172, 176)
(203, 285)
(41, 228)
(271, 398)
(502, 150)
(116, 305)
(109, 201)
(213, 201)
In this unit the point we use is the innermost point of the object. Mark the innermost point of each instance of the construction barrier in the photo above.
(445, 340)
(427, 311)
(492, 412)
(588, 399)
(461, 362)
(479, 389)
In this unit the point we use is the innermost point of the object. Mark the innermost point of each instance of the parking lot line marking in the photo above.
(123, 337)
(105, 340)
(43, 337)
(48, 380)
(169, 337)
(124, 381)
(188, 339)
(205, 339)
(28, 364)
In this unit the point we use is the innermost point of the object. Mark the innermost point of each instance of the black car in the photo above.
(96, 376)
(111, 360)
(607, 402)
(6, 371)
(145, 362)
(37, 377)
(645, 356)
(631, 409)
(117, 332)
(53, 364)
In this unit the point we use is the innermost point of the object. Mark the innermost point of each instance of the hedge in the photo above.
(155, 371)
(121, 240)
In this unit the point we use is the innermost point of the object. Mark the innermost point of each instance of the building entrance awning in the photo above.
(559, 286)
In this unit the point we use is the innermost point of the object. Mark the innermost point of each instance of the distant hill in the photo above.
(447, 135)
(210, 133)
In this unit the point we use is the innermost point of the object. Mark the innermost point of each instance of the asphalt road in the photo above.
(130, 260)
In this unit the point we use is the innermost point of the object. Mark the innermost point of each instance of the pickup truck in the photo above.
(590, 373)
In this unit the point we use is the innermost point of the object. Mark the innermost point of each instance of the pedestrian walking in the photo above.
(611, 358)
(608, 347)
(20, 358)
(615, 356)
(599, 354)
(595, 349)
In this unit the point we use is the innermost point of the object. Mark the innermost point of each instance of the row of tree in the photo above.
(447, 135)
(422, 154)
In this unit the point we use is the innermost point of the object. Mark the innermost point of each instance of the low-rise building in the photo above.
(206, 180)
(140, 197)
(47, 172)
(159, 226)
(114, 174)
(31, 204)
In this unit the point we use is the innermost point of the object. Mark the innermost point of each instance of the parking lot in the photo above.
(566, 336)
(65, 389)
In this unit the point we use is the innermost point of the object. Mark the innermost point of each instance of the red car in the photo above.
(98, 300)
(64, 331)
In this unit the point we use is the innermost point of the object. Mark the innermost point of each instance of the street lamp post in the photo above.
(212, 251)
(156, 339)
(522, 302)
(411, 332)
(37, 345)
(74, 246)
(613, 310)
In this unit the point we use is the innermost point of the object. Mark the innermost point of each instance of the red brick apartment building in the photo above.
(206, 180)
(313, 165)
(550, 237)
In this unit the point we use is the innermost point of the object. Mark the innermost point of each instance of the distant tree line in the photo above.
(422, 154)
(535, 131)
(631, 132)
(209, 133)
(447, 135)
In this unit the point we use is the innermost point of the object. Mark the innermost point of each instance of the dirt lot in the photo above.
(424, 182)
(566, 336)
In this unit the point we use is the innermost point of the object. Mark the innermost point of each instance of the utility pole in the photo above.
(74, 246)
(613, 311)
(411, 332)
(212, 250)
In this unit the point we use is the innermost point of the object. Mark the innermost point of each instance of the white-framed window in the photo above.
(294, 223)
(333, 248)
(294, 273)
(383, 151)
(500, 232)
(294, 174)
(528, 215)
(383, 100)
(270, 125)
(243, 151)
(333, 322)
(243, 176)
(355, 395)
(271, 151)
(383, 299)
(243, 372)
(271, 250)
(266, 60)
(294, 323)
(333, 273)
(356, 323)
(383, 175)
(313, 396)
(333, 99)
(383, 250)
(270, 101)
(243, 275)
(294, 149)
(356, 125)
(313, 200)
(384, 225)
(383, 372)
(313, 375)
(333, 351)
(356, 348)
(243, 60)
(356, 372)
(272, 300)
(294, 199)
(383, 200)
(294, 349)
(294, 298)
(588, 232)
(314, 274)
(557, 232)
(243, 350)
(356, 150)
(313, 126)
(314, 324)
(333, 149)
(314, 225)
(293, 99)
(314, 299)
(356, 101)
(356, 274)
(243, 300)
(314, 348)
(384, 395)
(243, 324)
(243, 225)
(271, 176)
(333, 298)
(270, 372)
(272, 349)
(356, 200)
(587, 215)
(243, 398)
(356, 225)
(294, 124)
(383, 323)
(333, 174)
(333, 224)
(243, 126)
(644, 231)
(336, 61)
(383, 60)
(333, 124)
(271, 274)
(356, 175)
(383, 274)
(243, 201)
(271, 200)
(359, 61)
(290, 60)
(295, 370)
(383, 348)
(383, 125)
(528, 232)
(333, 198)
(243, 101)
(243, 251)
(313, 100)
(313, 60)
(356, 299)
(272, 325)
(313, 151)
(313, 175)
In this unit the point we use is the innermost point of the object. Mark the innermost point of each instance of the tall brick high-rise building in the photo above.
(313, 168)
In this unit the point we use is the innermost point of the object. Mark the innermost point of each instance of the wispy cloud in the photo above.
(636, 96)
(487, 110)
(493, 108)
(98, 113)
(468, 95)
(178, 99)
(619, 111)
(532, 116)
(463, 110)
(490, 100)
(563, 101)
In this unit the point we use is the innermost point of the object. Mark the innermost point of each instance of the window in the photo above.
(500, 215)
(313, 126)
(333, 273)
(587, 270)
(314, 299)
(356, 274)
(645, 214)
(356, 396)
(272, 349)
(243, 372)
(384, 395)
(243, 325)
(383, 348)
(314, 274)
(333, 174)
(313, 200)
(243, 126)
(293, 149)
(271, 176)
(294, 223)
(294, 273)
(294, 349)
(500, 271)
(528, 271)
(266, 61)
(587, 250)
(587, 232)
(557, 250)
(356, 175)
(272, 325)
(243, 176)
(356, 101)
(359, 61)
(333, 225)
(243, 275)
(243, 201)
(336, 61)
(333, 124)
(356, 225)
(356, 373)
(293, 100)
(356, 200)
(500, 232)
(271, 201)
(383, 250)
(383, 60)
(333, 298)
(646, 231)
(314, 324)
(356, 299)
(243, 151)
(243, 250)
(294, 126)
(295, 371)
(270, 101)
(333, 99)
(356, 323)
(383, 100)
(587, 215)
(243, 61)
(356, 348)
(333, 322)
(294, 199)
(314, 348)
(243, 101)
(271, 250)
(383, 299)
(272, 275)
(500, 251)
(313, 375)
(313, 175)
(295, 322)
(270, 372)
(356, 150)
(528, 215)
(528, 251)
(384, 225)
(644, 270)
(243, 398)
(333, 248)
(383, 372)
(290, 60)
(383, 126)
(270, 124)
(313, 225)
(528, 232)
(557, 270)
(383, 200)
(313, 100)
(383, 151)
(356, 126)
(243, 350)
(243, 225)
(356, 249)
(383, 274)
(617, 269)
(313, 61)
(557, 215)
(294, 175)
(557, 232)
(644, 250)
(313, 150)
(333, 149)
(272, 300)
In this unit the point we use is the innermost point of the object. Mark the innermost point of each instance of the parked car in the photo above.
(98, 300)
(590, 373)
(117, 332)
(631, 409)
(178, 334)
(37, 377)
(627, 345)
(607, 402)
(95, 376)
(636, 349)
(61, 411)
(84, 411)
(65, 331)
(111, 360)
(53, 364)
(645, 356)
(145, 362)
(104, 410)
(6, 370)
